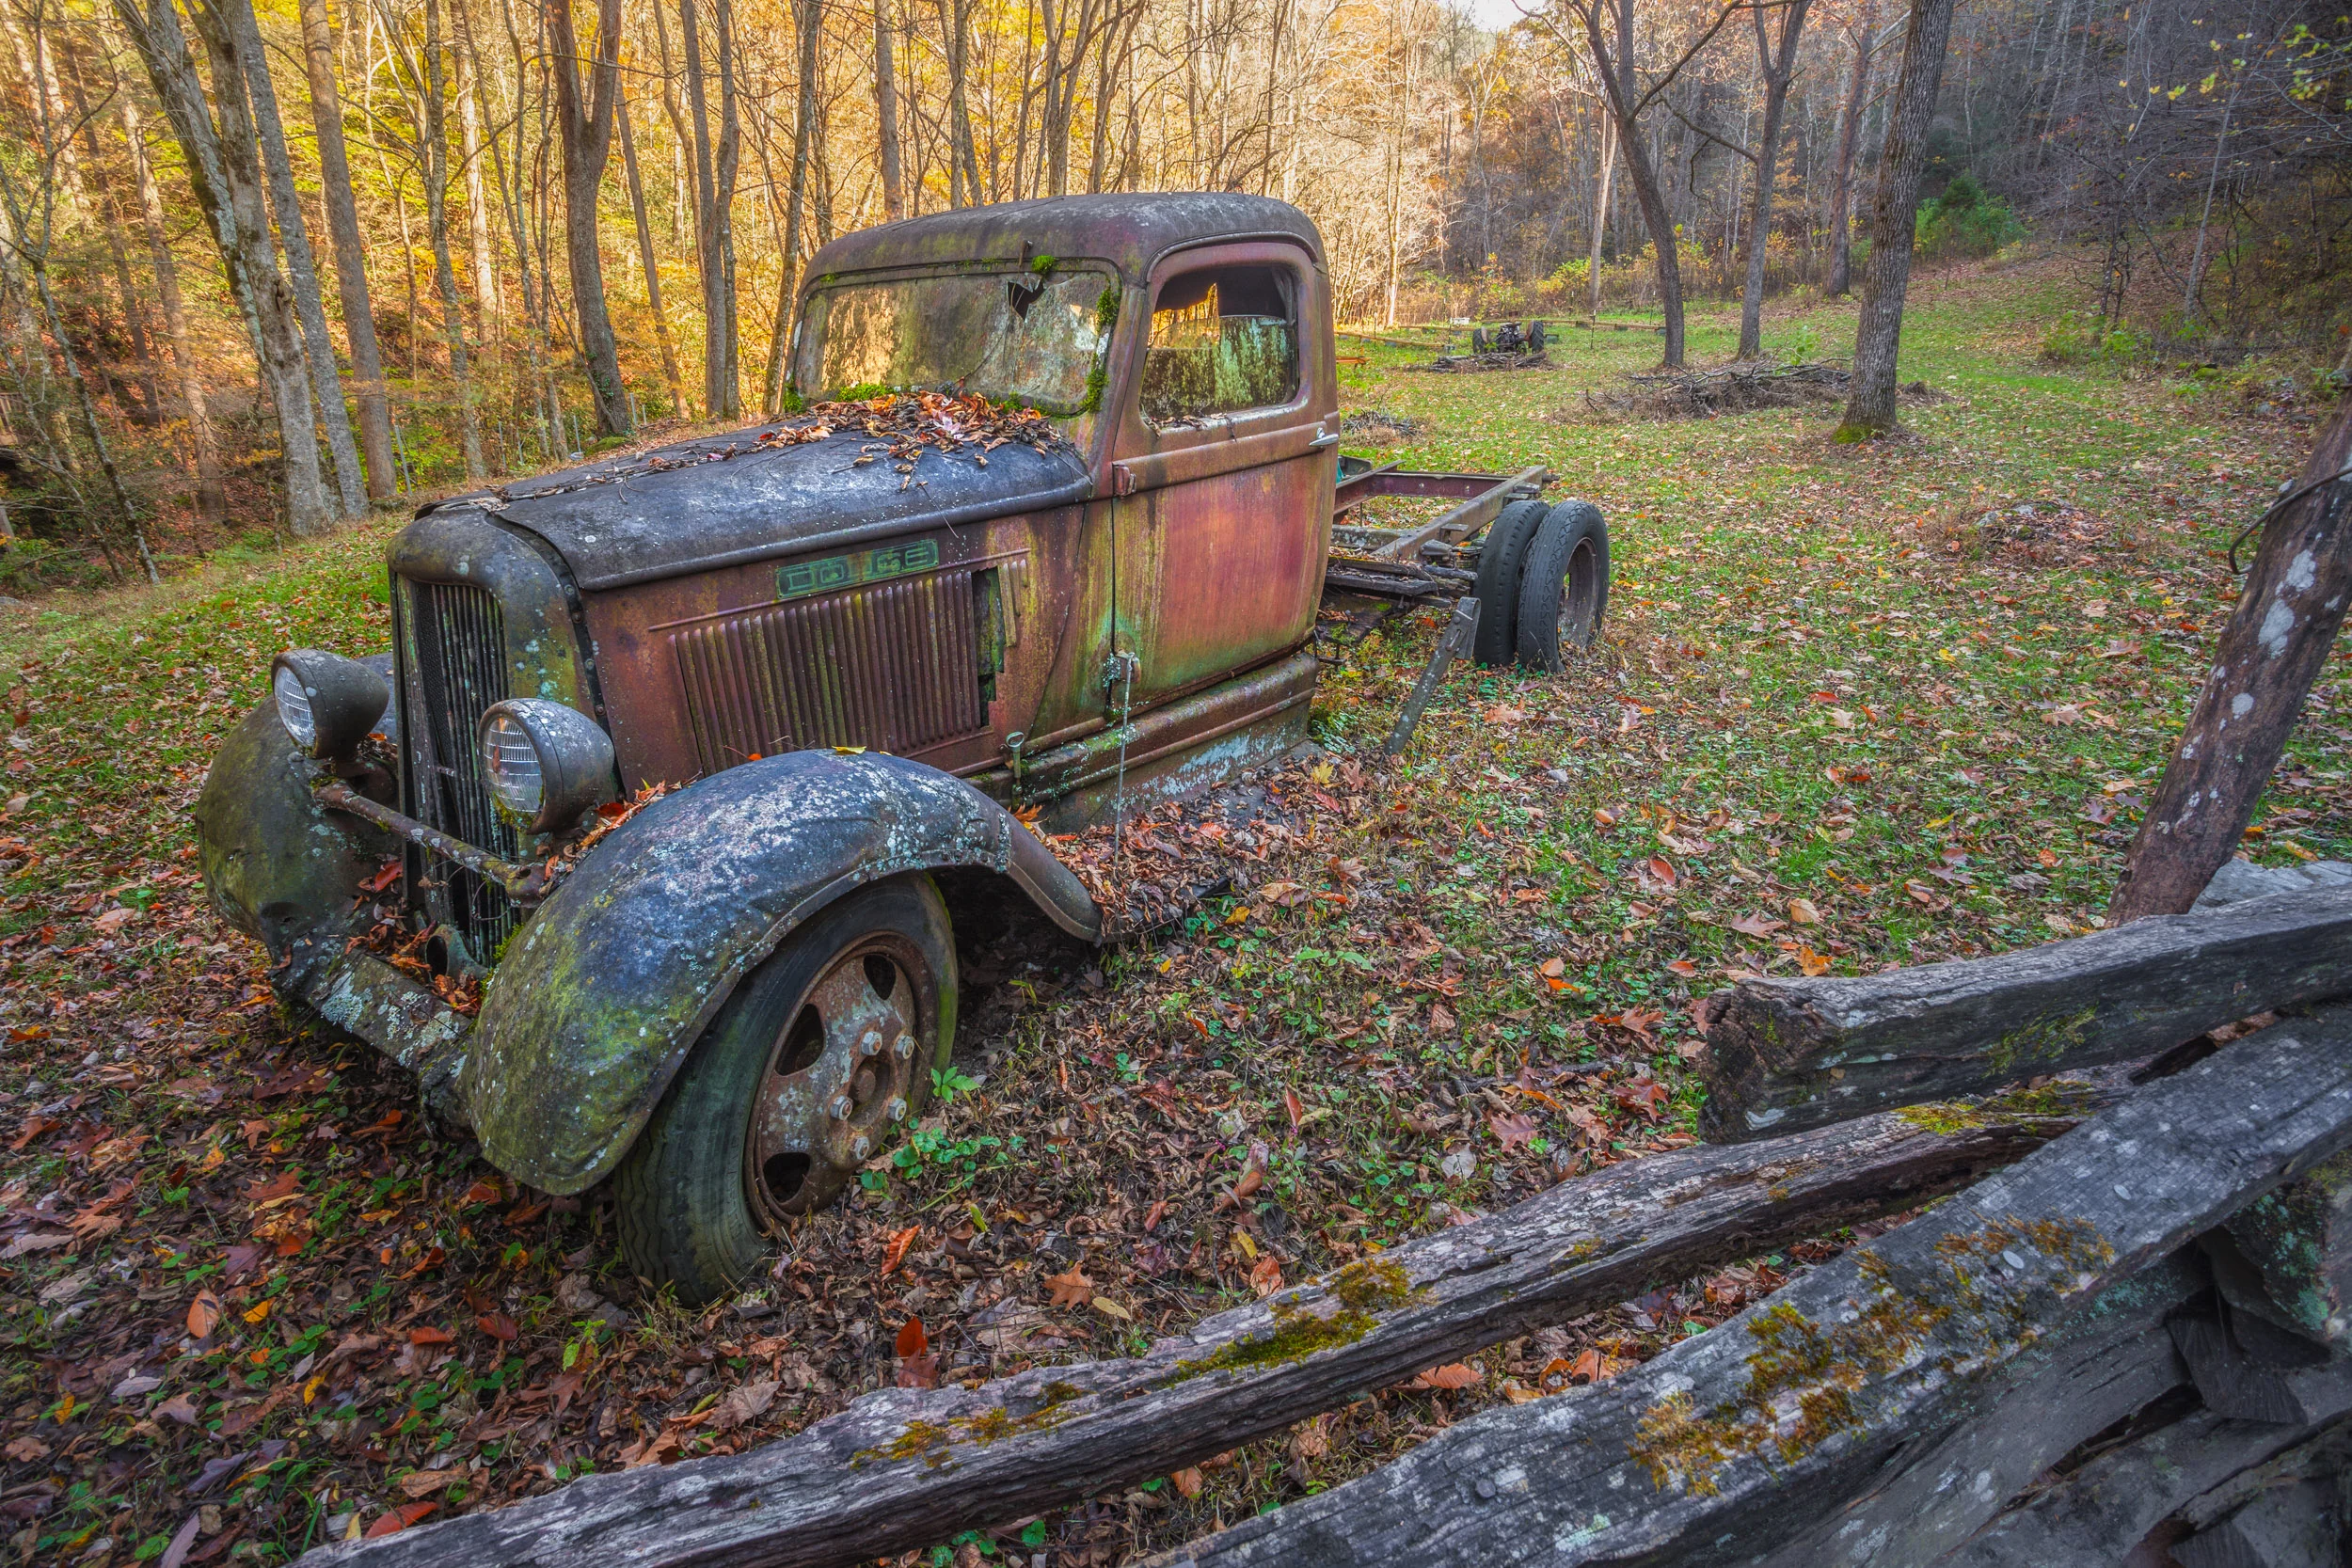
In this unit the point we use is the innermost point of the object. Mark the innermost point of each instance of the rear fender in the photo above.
(604, 990)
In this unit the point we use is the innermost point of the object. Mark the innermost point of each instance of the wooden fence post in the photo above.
(2274, 648)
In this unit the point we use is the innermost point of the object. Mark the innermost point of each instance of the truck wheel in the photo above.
(1498, 586)
(1564, 590)
(821, 1054)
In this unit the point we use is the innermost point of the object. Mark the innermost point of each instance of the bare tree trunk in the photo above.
(1779, 68)
(724, 158)
(433, 133)
(964, 166)
(488, 305)
(1600, 210)
(212, 501)
(30, 204)
(2274, 648)
(224, 168)
(1608, 32)
(1118, 41)
(541, 380)
(681, 209)
(2204, 216)
(714, 201)
(670, 377)
(585, 126)
(886, 115)
(1894, 213)
(351, 257)
(1849, 137)
(808, 17)
(293, 238)
(147, 408)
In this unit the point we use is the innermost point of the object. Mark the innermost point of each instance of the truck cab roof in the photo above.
(1132, 231)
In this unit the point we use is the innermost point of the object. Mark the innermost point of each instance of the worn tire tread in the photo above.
(1549, 553)
(1500, 562)
(681, 1213)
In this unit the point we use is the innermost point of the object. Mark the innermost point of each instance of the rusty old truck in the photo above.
(1049, 529)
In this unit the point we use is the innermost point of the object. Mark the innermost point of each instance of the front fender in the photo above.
(278, 866)
(605, 990)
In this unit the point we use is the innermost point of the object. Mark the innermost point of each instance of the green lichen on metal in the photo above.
(1105, 319)
(1803, 1373)
(2043, 1039)
(1044, 264)
(2051, 1103)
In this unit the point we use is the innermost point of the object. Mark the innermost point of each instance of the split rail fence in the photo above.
(2131, 1307)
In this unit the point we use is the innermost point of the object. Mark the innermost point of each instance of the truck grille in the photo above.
(460, 641)
(894, 666)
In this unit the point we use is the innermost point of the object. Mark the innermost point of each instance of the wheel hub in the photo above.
(839, 1078)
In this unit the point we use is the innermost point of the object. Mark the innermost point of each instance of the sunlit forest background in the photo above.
(269, 263)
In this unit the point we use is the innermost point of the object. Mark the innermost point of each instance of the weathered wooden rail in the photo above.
(2108, 1245)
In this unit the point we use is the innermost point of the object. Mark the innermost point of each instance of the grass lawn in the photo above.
(1839, 722)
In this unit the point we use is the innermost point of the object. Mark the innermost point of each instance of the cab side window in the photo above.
(1223, 340)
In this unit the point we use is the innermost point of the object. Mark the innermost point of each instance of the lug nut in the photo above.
(905, 1046)
(897, 1107)
(863, 1146)
(842, 1107)
(870, 1045)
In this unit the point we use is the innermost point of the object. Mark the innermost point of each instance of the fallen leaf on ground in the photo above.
(898, 1252)
(1073, 1289)
(400, 1519)
(744, 1403)
(204, 1313)
(1513, 1127)
(1455, 1374)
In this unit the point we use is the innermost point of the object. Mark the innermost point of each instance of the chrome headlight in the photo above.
(546, 764)
(328, 704)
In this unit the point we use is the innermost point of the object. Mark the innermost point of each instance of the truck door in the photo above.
(1223, 461)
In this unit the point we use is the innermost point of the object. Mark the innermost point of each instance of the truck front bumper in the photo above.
(362, 995)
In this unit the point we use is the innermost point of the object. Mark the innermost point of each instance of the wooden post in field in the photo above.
(2275, 645)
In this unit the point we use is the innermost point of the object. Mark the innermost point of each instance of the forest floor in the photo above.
(1858, 706)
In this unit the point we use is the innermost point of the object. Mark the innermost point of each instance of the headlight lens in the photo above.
(328, 703)
(294, 709)
(546, 763)
(512, 762)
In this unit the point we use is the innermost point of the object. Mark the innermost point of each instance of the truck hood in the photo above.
(726, 500)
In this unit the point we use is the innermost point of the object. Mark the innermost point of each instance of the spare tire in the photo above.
(1498, 585)
(1564, 586)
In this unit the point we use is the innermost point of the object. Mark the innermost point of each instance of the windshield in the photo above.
(1014, 337)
